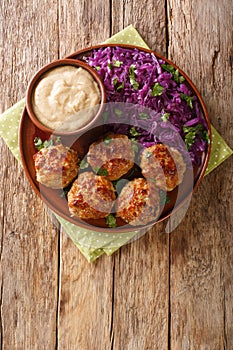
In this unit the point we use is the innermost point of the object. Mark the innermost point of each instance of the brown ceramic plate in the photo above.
(53, 198)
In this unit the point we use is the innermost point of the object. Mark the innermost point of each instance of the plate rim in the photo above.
(121, 229)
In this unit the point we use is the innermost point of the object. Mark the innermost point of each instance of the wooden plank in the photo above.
(28, 237)
(85, 308)
(202, 255)
(149, 19)
(141, 272)
(141, 293)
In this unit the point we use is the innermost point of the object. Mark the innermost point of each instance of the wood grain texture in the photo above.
(141, 293)
(201, 296)
(141, 270)
(85, 307)
(29, 256)
(149, 18)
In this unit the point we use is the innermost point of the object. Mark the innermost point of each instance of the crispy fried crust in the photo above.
(91, 196)
(163, 164)
(112, 153)
(138, 202)
(56, 166)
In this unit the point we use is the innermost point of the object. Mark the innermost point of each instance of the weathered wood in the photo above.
(149, 18)
(85, 308)
(141, 293)
(141, 273)
(201, 248)
(29, 256)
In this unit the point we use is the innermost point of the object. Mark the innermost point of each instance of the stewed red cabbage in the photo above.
(157, 100)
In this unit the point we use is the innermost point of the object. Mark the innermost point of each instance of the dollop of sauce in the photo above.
(66, 98)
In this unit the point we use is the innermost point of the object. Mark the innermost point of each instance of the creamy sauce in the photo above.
(66, 98)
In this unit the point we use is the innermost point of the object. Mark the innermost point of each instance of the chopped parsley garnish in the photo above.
(134, 145)
(164, 199)
(148, 154)
(188, 99)
(121, 86)
(110, 66)
(117, 63)
(134, 132)
(143, 115)
(165, 117)
(105, 116)
(107, 140)
(100, 171)
(190, 133)
(64, 192)
(97, 67)
(111, 221)
(115, 81)
(176, 75)
(39, 144)
(157, 90)
(118, 112)
(132, 79)
(83, 164)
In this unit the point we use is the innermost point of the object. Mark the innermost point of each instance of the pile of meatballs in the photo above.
(93, 193)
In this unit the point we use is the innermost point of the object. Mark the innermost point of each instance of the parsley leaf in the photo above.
(121, 86)
(165, 117)
(97, 68)
(190, 133)
(157, 90)
(105, 116)
(118, 112)
(83, 164)
(100, 171)
(164, 199)
(107, 140)
(132, 80)
(148, 154)
(115, 81)
(110, 66)
(176, 75)
(39, 144)
(134, 132)
(143, 116)
(111, 221)
(187, 98)
(117, 63)
(134, 144)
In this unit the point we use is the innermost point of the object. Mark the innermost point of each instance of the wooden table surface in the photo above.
(163, 291)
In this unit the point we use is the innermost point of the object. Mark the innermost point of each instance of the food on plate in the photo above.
(138, 202)
(111, 156)
(164, 165)
(56, 165)
(167, 110)
(91, 196)
(66, 98)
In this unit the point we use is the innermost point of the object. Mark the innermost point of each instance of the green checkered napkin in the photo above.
(93, 244)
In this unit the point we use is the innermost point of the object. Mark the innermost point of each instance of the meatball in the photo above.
(91, 196)
(139, 202)
(113, 154)
(164, 165)
(56, 166)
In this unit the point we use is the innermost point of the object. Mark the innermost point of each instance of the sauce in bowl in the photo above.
(66, 98)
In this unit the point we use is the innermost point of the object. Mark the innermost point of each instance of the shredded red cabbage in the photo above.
(163, 100)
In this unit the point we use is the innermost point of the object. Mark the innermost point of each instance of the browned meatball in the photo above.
(113, 154)
(163, 164)
(56, 166)
(91, 196)
(138, 202)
